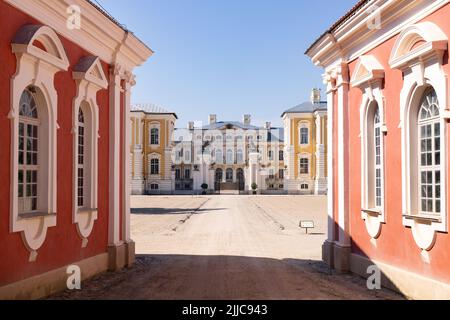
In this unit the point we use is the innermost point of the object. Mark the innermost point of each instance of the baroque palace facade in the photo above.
(229, 155)
(64, 116)
(388, 106)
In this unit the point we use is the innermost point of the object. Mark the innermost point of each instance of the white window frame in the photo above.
(418, 52)
(154, 156)
(304, 125)
(306, 156)
(90, 78)
(368, 76)
(154, 126)
(230, 156)
(32, 61)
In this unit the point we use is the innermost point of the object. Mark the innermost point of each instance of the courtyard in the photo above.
(227, 247)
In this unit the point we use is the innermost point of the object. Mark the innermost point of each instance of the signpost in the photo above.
(306, 225)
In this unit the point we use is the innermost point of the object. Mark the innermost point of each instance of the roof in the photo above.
(276, 134)
(103, 11)
(307, 107)
(223, 124)
(341, 21)
(151, 108)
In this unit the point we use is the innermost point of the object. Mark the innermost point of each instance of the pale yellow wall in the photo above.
(164, 127)
(310, 148)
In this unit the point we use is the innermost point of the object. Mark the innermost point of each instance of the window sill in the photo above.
(86, 210)
(372, 212)
(424, 218)
(32, 215)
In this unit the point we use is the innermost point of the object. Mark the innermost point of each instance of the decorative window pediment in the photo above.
(90, 77)
(418, 42)
(40, 55)
(42, 43)
(367, 69)
(90, 69)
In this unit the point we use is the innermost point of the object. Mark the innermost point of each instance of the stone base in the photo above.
(53, 281)
(409, 284)
(341, 258)
(328, 253)
(121, 256)
(336, 256)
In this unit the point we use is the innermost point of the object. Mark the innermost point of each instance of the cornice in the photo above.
(353, 38)
(98, 34)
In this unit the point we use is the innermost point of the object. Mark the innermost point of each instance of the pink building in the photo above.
(386, 70)
(65, 84)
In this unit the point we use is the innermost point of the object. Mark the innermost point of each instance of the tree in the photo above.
(204, 187)
(254, 187)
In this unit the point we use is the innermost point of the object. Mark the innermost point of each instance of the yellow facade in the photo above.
(311, 118)
(143, 120)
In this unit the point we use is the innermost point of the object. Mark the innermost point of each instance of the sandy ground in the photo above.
(227, 247)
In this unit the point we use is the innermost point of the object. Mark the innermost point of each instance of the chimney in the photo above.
(212, 118)
(191, 125)
(315, 96)
(268, 125)
(247, 119)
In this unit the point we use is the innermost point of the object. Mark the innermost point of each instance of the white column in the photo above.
(114, 156)
(330, 195)
(342, 143)
(129, 82)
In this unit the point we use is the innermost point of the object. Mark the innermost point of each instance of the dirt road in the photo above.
(227, 247)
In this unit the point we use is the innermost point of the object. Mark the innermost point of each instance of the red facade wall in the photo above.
(63, 244)
(395, 245)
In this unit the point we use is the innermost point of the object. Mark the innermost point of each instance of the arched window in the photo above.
(187, 156)
(81, 159)
(218, 175)
(429, 154)
(229, 156)
(219, 156)
(374, 158)
(240, 156)
(28, 153)
(154, 136)
(229, 175)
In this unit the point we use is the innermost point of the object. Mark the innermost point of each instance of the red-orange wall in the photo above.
(62, 245)
(395, 245)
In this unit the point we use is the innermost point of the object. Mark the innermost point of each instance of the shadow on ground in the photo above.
(187, 277)
(163, 211)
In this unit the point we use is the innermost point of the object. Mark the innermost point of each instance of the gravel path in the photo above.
(227, 247)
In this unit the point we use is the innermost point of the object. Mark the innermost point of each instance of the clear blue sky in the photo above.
(227, 57)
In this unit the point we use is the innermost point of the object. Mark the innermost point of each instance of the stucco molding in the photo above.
(368, 69)
(373, 217)
(90, 78)
(417, 78)
(416, 43)
(97, 33)
(36, 66)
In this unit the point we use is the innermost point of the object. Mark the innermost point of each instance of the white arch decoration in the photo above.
(418, 52)
(90, 78)
(368, 76)
(417, 42)
(37, 67)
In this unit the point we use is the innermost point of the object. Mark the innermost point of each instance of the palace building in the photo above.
(229, 156)
(64, 121)
(386, 69)
(151, 146)
(305, 137)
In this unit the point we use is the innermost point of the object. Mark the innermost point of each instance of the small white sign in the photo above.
(307, 224)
